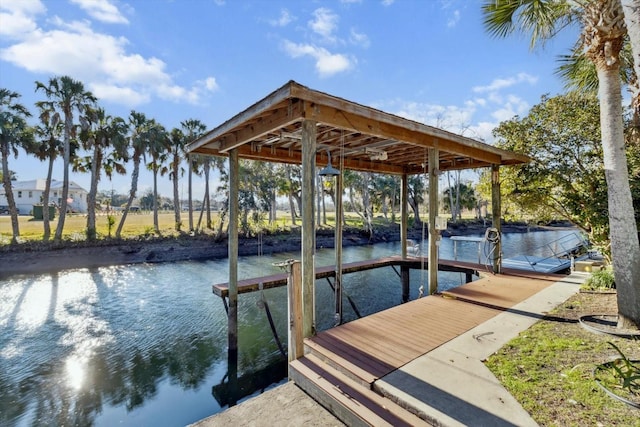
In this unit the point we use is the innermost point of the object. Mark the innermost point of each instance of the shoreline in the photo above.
(28, 260)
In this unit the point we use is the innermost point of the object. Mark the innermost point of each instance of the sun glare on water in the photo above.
(76, 372)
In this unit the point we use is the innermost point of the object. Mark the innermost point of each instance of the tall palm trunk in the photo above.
(6, 182)
(66, 156)
(45, 201)
(156, 224)
(207, 198)
(132, 193)
(96, 164)
(176, 196)
(625, 248)
(190, 190)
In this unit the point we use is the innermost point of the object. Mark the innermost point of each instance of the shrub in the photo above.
(600, 280)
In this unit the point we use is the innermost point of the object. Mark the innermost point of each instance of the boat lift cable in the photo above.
(262, 303)
(422, 274)
(351, 302)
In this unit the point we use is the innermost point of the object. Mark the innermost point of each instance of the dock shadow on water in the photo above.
(147, 344)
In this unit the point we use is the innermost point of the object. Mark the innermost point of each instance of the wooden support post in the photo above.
(308, 226)
(433, 213)
(404, 214)
(496, 216)
(294, 288)
(338, 248)
(406, 281)
(404, 235)
(232, 315)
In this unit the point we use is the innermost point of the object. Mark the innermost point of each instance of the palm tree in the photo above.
(158, 146)
(602, 38)
(140, 129)
(66, 95)
(14, 133)
(49, 132)
(176, 150)
(191, 129)
(416, 191)
(101, 132)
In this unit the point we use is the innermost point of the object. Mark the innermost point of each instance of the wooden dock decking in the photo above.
(365, 350)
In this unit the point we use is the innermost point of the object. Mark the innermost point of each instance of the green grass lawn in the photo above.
(140, 224)
(136, 224)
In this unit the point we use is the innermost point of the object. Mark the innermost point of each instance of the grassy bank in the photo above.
(548, 368)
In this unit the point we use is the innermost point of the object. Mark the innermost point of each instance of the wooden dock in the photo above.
(277, 280)
(342, 364)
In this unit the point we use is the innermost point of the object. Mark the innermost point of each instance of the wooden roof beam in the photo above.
(347, 120)
(279, 118)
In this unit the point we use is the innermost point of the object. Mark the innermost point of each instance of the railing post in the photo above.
(294, 288)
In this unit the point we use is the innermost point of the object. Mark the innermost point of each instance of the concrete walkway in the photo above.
(449, 386)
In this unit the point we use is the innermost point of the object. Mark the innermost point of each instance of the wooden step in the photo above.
(355, 372)
(350, 401)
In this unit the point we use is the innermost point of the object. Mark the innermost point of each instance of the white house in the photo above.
(29, 193)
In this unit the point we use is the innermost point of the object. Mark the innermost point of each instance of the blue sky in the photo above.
(173, 60)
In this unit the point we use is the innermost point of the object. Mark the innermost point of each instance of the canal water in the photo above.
(146, 344)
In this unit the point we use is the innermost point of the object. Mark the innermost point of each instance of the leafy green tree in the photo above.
(66, 96)
(386, 189)
(148, 200)
(465, 198)
(416, 192)
(290, 185)
(14, 133)
(602, 38)
(566, 176)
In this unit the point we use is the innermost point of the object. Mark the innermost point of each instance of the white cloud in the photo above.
(209, 84)
(327, 63)
(102, 62)
(449, 117)
(514, 105)
(359, 39)
(284, 19)
(453, 19)
(102, 10)
(498, 84)
(219, 2)
(116, 94)
(18, 17)
(483, 131)
(325, 22)
(387, 2)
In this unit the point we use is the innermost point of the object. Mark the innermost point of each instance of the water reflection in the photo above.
(147, 344)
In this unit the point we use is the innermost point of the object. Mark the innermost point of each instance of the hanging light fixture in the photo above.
(329, 170)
